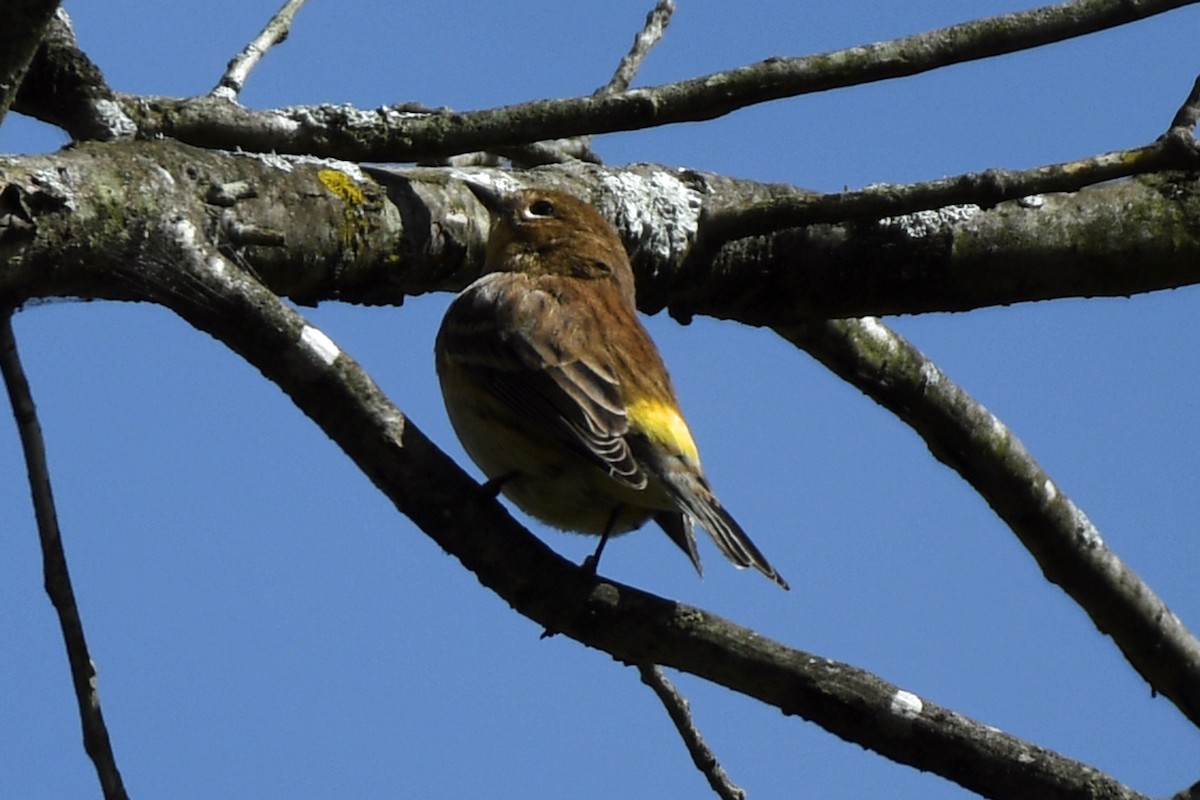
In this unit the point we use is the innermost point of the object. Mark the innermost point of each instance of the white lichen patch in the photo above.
(217, 266)
(878, 333)
(51, 182)
(659, 210)
(1085, 530)
(114, 119)
(920, 224)
(286, 163)
(931, 376)
(163, 173)
(320, 346)
(184, 232)
(906, 705)
(492, 179)
(999, 430)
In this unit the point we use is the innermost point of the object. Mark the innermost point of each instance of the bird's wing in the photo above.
(529, 350)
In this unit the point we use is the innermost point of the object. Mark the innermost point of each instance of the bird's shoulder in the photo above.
(539, 322)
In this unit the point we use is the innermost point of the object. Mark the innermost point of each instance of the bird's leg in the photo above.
(493, 486)
(593, 561)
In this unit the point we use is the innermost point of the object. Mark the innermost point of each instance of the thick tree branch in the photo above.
(966, 437)
(1116, 239)
(406, 133)
(64, 88)
(158, 248)
(180, 270)
(347, 241)
(25, 24)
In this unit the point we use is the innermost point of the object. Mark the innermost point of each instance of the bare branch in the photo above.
(189, 276)
(54, 565)
(159, 253)
(680, 714)
(25, 24)
(643, 43)
(398, 134)
(1119, 238)
(275, 32)
(983, 189)
(578, 148)
(966, 437)
(64, 88)
(1177, 149)
(1190, 793)
(1189, 112)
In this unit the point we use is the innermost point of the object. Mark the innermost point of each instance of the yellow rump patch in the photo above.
(663, 424)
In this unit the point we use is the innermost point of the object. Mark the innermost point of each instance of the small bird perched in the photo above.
(557, 392)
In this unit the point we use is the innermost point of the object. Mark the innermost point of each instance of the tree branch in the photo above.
(984, 189)
(574, 148)
(680, 714)
(1177, 149)
(199, 213)
(967, 438)
(404, 133)
(25, 25)
(1188, 114)
(275, 32)
(346, 240)
(64, 88)
(57, 578)
(643, 43)
(181, 271)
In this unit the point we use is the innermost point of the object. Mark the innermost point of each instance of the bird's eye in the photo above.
(541, 208)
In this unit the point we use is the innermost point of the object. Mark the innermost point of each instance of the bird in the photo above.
(559, 395)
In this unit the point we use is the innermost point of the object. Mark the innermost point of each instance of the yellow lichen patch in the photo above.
(342, 185)
(353, 226)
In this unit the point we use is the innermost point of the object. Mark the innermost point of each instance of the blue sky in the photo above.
(265, 624)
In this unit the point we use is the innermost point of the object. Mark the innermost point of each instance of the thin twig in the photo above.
(275, 32)
(579, 148)
(1185, 119)
(1190, 793)
(984, 189)
(650, 35)
(1176, 149)
(677, 708)
(1067, 547)
(54, 566)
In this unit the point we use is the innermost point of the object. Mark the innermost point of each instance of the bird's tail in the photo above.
(696, 499)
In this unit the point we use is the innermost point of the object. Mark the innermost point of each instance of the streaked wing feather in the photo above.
(528, 354)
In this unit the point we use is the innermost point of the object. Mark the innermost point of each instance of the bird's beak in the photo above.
(491, 198)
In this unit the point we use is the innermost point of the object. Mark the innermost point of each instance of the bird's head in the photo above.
(547, 232)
